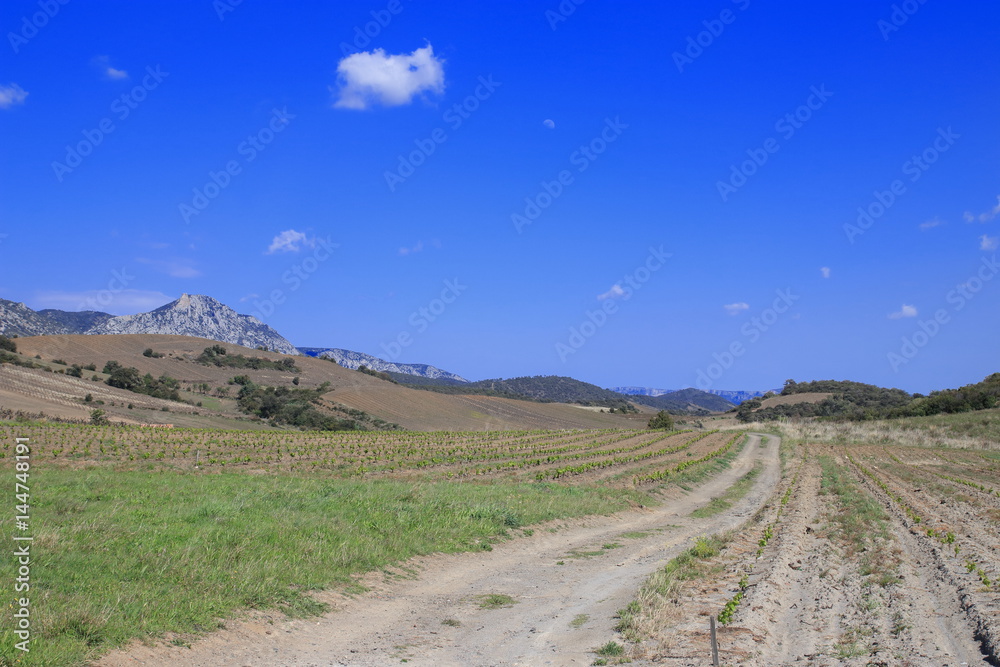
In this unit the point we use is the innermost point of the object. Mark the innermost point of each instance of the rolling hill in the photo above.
(48, 389)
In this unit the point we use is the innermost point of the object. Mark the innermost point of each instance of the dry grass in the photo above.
(922, 432)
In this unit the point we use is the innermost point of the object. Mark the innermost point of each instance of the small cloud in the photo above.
(549, 123)
(290, 241)
(736, 308)
(103, 63)
(825, 271)
(905, 311)
(175, 268)
(123, 302)
(615, 292)
(931, 224)
(409, 251)
(11, 94)
(370, 78)
(984, 217)
(989, 242)
(252, 295)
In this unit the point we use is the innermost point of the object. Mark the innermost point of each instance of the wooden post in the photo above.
(715, 645)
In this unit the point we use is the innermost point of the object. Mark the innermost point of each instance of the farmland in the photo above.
(865, 554)
(131, 519)
(821, 547)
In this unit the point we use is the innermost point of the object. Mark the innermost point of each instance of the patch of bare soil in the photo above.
(566, 583)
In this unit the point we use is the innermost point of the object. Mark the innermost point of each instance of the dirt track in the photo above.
(402, 618)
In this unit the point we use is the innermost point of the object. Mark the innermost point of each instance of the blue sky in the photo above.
(627, 194)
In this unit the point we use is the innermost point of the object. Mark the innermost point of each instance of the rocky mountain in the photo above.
(354, 360)
(203, 316)
(16, 319)
(76, 323)
(734, 397)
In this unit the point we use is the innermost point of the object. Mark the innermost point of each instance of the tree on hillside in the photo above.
(7, 344)
(662, 421)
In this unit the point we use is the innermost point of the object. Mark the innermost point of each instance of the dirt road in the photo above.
(567, 581)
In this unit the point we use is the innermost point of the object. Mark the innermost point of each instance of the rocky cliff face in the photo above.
(16, 319)
(353, 360)
(202, 316)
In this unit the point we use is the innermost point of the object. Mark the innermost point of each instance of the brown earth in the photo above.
(35, 391)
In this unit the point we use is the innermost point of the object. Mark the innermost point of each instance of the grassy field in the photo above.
(133, 539)
(979, 429)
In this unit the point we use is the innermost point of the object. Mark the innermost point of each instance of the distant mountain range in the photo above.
(190, 315)
(205, 317)
(355, 360)
(734, 397)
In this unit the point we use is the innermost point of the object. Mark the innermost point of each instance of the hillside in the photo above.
(558, 389)
(354, 360)
(16, 319)
(49, 389)
(76, 322)
(855, 400)
(734, 397)
(691, 401)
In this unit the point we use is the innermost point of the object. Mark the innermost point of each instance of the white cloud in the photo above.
(290, 241)
(931, 224)
(11, 94)
(989, 242)
(615, 292)
(103, 63)
(984, 217)
(175, 268)
(736, 308)
(123, 302)
(825, 271)
(370, 78)
(416, 248)
(549, 123)
(905, 311)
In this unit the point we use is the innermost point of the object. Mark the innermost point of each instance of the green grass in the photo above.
(664, 584)
(123, 554)
(733, 494)
(579, 621)
(495, 601)
(859, 524)
(611, 649)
